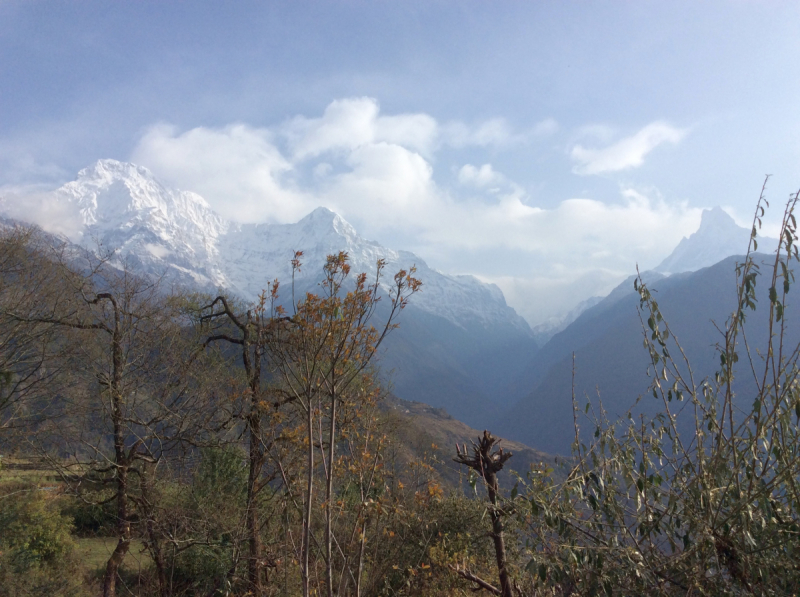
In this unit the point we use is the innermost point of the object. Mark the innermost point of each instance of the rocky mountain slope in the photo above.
(431, 434)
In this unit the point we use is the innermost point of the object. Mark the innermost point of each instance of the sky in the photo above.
(548, 147)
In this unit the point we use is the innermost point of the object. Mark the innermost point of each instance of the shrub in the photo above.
(647, 509)
(36, 549)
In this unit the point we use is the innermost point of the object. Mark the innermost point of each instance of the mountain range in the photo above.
(460, 347)
(458, 344)
(601, 359)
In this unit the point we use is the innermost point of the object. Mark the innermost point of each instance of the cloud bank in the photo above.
(382, 173)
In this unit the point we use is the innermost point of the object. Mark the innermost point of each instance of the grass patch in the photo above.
(22, 471)
(95, 551)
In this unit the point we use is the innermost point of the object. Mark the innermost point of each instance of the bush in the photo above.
(36, 549)
(93, 517)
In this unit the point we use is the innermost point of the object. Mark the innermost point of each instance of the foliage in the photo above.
(214, 505)
(648, 509)
(36, 547)
(33, 531)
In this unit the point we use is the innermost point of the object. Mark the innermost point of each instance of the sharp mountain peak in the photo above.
(165, 231)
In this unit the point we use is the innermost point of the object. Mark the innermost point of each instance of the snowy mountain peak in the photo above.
(324, 221)
(718, 237)
(716, 218)
(163, 231)
(111, 194)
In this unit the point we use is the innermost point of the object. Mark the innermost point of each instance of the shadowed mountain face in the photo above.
(611, 363)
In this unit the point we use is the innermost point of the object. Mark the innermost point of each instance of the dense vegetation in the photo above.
(166, 443)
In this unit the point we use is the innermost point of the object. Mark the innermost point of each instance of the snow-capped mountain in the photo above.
(162, 230)
(718, 237)
(458, 345)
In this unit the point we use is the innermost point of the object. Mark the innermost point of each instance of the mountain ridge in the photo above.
(459, 343)
(123, 206)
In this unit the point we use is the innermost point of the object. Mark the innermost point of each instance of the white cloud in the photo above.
(578, 230)
(625, 153)
(43, 209)
(346, 124)
(415, 131)
(496, 131)
(378, 172)
(237, 168)
(481, 177)
(387, 186)
(354, 122)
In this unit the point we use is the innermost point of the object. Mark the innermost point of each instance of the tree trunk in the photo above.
(121, 462)
(123, 533)
(487, 464)
(497, 534)
(154, 536)
(161, 569)
(255, 557)
(328, 499)
(305, 542)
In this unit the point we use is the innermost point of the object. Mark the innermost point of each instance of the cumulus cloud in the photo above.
(43, 209)
(385, 186)
(625, 153)
(237, 168)
(373, 167)
(354, 122)
(346, 124)
(378, 172)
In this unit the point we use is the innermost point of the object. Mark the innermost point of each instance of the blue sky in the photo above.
(546, 146)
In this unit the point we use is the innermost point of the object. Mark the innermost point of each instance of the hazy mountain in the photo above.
(459, 342)
(611, 362)
(547, 329)
(719, 236)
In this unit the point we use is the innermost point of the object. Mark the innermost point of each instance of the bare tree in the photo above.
(487, 463)
(246, 328)
(140, 385)
(320, 356)
(311, 358)
(31, 360)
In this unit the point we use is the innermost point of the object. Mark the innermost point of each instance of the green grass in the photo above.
(15, 471)
(23, 474)
(95, 551)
